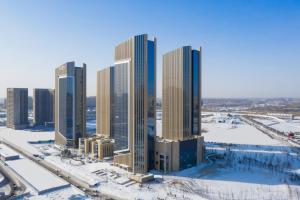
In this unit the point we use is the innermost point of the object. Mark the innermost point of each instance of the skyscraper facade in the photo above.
(181, 93)
(70, 104)
(43, 106)
(137, 58)
(181, 145)
(104, 102)
(17, 108)
(120, 114)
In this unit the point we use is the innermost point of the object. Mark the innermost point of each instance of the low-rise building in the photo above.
(97, 147)
(175, 155)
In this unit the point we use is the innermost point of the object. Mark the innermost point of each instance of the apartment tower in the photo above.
(134, 101)
(181, 145)
(43, 106)
(17, 108)
(70, 104)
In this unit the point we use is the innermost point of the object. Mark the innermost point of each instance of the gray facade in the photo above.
(70, 104)
(43, 106)
(17, 108)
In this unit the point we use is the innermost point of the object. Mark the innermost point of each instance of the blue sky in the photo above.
(251, 48)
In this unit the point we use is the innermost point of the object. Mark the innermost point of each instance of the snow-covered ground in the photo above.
(252, 165)
(35, 177)
(236, 134)
(243, 163)
(284, 126)
(24, 138)
(69, 193)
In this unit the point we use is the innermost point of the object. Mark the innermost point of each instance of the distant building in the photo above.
(43, 106)
(17, 108)
(70, 104)
(126, 100)
(181, 145)
(4, 103)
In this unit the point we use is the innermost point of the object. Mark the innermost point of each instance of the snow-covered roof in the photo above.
(40, 179)
(7, 153)
(23, 137)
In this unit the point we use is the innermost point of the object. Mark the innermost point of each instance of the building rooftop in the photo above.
(7, 153)
(38, 178)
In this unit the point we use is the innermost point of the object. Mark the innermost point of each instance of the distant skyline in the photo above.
(250, 48)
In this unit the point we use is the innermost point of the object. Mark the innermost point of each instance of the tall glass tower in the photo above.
(70, 104)
(135, 61)
(181, 145)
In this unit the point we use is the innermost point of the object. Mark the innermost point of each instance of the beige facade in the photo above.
(103, 103)
(70, 104)
(181, 145)
(123, 160)
(43, 106)
(139, 53)
(98, 147)
(179, 103)
(168, 153)
(17, 108)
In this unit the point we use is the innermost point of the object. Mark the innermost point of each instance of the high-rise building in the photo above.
(70, 104)
(17, 108)
(104, 102)
(43, 106)
(181, 145)
(134, 98)
(120, 107)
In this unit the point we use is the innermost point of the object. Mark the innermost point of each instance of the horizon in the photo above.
(250, 49)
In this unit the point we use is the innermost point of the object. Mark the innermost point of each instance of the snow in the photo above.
(75, 170)
(7, 153)
(286, 127)
(23, 138)
(280, 125)
(40, 179)
(251, 166)
(267, 122)
(69, 193)
(236, 134)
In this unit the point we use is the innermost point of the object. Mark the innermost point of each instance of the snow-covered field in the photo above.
(236, 134)
(252, 165)
(284, 126)
(243, 163)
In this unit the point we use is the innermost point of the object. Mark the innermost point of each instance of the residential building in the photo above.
(17, 108)
(43, 106)
(70, 104)
(134, 100)
(181, 145)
